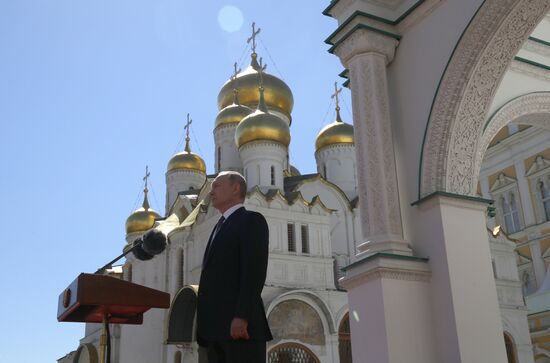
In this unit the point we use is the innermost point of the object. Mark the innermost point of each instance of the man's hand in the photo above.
(239, 329)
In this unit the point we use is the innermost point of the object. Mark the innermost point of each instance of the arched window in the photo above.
(510, 348)
(325, 171)
(129, 273)
(344, 340)
(291, 236)
(272, 175)
(545, 198)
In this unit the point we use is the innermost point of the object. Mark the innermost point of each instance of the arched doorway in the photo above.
(344, 340)
(510, 348)
(291, 353)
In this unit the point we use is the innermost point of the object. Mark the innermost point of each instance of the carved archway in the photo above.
(531, 109)
(466, 90)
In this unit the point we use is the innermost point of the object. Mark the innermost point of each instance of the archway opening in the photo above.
(344, 340)
(291, 353)
(510, 348)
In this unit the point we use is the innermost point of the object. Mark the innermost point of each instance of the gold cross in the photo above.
(147, 174)
(261, 72)
(253, 37)
(335, 95)
(186, 127)
(235, 71)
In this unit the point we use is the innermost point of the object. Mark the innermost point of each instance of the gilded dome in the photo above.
(142, 219)
(187, 160)
(232, 114)
(337, 132)
(262, 126)
(278, 95)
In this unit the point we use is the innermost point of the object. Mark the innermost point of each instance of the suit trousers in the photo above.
(237, 351)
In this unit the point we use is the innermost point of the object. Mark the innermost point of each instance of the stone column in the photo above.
(366, 54)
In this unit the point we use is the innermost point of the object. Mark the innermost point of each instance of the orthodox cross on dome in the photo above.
(261, 72)
(186, 127)
(261, 104)
(236, 71)
(337, 100)
(145, 190)
(253, 37)
(146, 177)
(335, 95)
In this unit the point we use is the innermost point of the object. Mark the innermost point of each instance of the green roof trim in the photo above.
(453, 195)
(362, 26)
(344, 73)
(346, 84)
(326, 12)
(532, 63)
(384, 255)
(540, 41)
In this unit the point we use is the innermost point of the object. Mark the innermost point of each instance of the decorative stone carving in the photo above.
(466, 91)
(366, 54)
(532, 109)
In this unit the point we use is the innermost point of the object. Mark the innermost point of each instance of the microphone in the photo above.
(145, 248)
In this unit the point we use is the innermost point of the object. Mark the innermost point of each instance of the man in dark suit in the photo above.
(230, 313)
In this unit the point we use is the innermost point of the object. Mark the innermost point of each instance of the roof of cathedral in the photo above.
(338, 132)
(142, 218)
(278, 95)
(291, 182)
(262, 125)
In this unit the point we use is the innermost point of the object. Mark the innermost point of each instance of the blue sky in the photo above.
(92, 91)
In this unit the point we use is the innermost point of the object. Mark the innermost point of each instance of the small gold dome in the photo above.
(187, 160)
(232, 114)
(337, 132)
(278, 95)
(142, 219)
(262, 126)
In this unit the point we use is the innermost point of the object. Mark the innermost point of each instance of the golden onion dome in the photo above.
(232, 114)
(187, 160)
(262, 125)
(143, 218)
(278, 95)
(337, 132)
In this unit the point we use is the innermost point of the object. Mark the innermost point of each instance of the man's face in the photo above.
(224, 194)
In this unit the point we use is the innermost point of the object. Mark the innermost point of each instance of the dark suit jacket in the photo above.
(233, 277)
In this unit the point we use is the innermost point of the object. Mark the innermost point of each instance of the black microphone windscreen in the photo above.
(154, 242)
(139, 252)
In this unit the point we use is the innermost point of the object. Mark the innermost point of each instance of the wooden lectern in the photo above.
(105, 299)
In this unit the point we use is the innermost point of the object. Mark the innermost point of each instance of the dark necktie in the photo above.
(215, 231)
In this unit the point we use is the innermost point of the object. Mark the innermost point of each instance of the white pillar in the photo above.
(366, 54)
(451, 230)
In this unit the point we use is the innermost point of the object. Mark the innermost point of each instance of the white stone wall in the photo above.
(224, 138)
(258, 158)
(339, 162)
(181, 180)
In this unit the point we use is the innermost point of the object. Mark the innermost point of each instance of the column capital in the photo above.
(363, 40)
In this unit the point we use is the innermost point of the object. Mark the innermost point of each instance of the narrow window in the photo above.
(129, 273)
(180, 269)
(291, 238)
(305, 239)
(508, 214)
(272, 175)
(177, 357)
(325, 171)
(245, 173)
(219, 158)
(545, 198)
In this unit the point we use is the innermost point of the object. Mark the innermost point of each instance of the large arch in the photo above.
(466, 90)
(531, 109)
